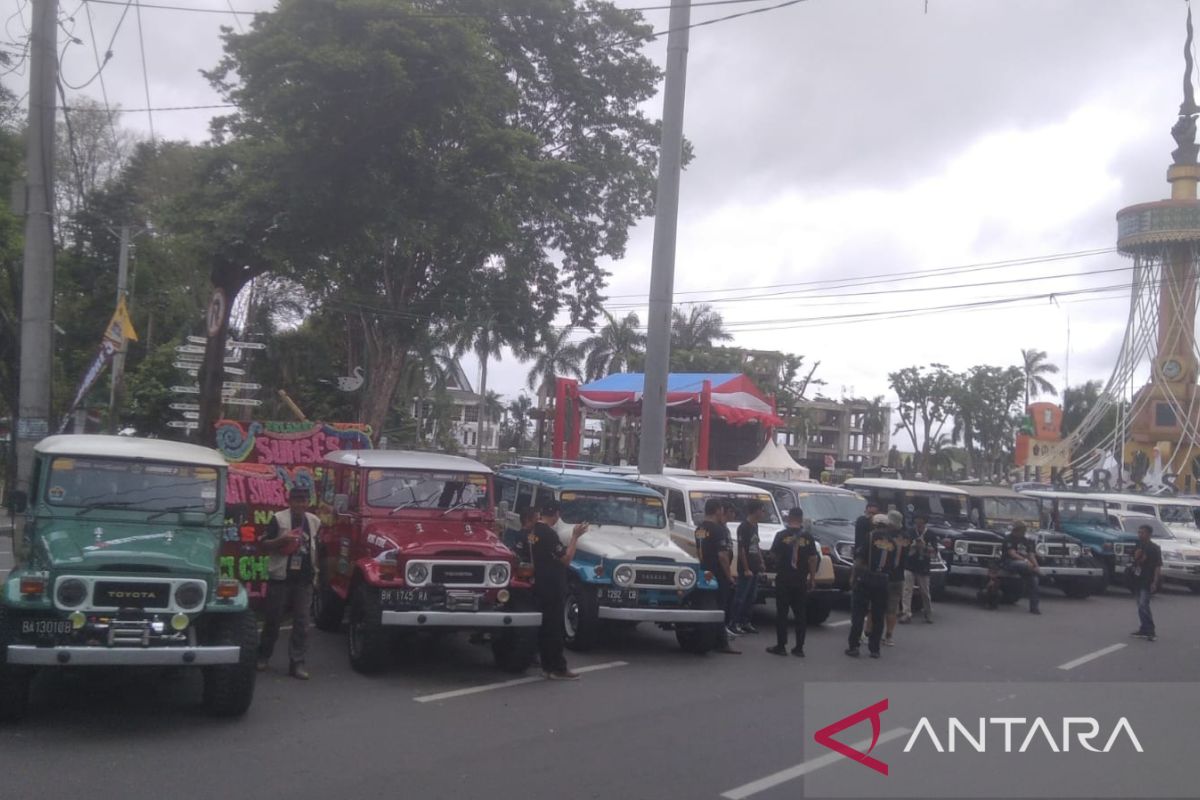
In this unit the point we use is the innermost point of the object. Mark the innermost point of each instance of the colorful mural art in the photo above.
(266, 459)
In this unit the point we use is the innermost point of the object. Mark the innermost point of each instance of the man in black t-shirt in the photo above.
(795, 555)
(862, 525)
(917, 567)
(875, 563)
(1019, 558)
(1147, 578)
(749, 567)
(551, 558)
(714, 546)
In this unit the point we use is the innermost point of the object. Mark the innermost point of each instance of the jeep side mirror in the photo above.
(341, 503)
(18, 501)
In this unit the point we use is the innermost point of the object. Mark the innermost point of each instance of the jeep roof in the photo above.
(405, 459)
(902, 485)
(807, 487)
(573, 481)
(97, 446)
(694, 484)
(982, 490)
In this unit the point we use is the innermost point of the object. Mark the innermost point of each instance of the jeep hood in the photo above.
(138, 546)
(435, 538)
(620, 542)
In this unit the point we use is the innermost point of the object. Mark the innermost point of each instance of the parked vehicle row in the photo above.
(123, 537)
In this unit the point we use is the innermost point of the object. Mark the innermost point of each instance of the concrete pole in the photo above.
(37, 277)
(118, 367)
(652, 446)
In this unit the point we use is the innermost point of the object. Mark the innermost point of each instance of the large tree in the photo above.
(618, 346)
(420, 151)
(925, 404)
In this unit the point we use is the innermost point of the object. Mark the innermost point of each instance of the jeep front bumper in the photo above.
(83, 656)
(1185, 572)
(1070, 572)
(463, 619)
(682, 616)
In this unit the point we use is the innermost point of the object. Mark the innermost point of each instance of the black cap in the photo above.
(795, 513)
(712, 505)
(550, 507)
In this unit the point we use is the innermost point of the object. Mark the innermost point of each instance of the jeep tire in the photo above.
(328, 608)
(367, 642)
(229, 688)
(817, 609)
(699, 639)
(581, 616)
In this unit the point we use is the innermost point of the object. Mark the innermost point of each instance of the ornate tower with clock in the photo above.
(1163, 238)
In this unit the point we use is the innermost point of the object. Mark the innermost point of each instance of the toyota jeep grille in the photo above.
(654, 577)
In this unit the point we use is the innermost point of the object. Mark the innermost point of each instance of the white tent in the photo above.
(776, 463)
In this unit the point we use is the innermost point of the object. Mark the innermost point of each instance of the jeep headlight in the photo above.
(189, 595)
(1074, 550)
(845, 550)
(623, 575)
(71, 592)
(685, 578)
(1041, 549)
(960, 548)
(416, 573)
(498, 574)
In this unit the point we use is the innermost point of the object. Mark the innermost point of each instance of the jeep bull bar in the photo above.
(1043, 571)
(462, 619)
(681, 616)
(84, 656)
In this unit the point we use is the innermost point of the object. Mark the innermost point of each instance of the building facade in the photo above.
(824, 434)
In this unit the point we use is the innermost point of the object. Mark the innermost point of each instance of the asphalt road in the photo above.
(645, 721)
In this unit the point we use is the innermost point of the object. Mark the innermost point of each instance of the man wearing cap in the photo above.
(874, 564)
(795, 556)
(714, 546)
(896, 574)
(1019, 559)
(292, 567)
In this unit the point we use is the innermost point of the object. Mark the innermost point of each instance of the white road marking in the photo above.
(813, 764)
(487, 687)
(1112, 648)
(837, 624)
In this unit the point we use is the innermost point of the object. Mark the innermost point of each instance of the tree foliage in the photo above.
(423, 154)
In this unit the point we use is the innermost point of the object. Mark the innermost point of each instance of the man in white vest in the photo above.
(293, 566)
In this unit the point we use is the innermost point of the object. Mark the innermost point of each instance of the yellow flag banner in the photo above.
(120, 327)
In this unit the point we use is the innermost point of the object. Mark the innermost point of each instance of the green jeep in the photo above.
(119, 569)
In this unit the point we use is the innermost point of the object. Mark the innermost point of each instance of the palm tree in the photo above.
(485, 344)
(699, 329)
(491, 407)
(553, 356)
(518, 415)
(1036, 366)
(618, 345)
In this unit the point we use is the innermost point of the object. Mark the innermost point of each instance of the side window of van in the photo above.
(506, 491)
(1144, 510)
(543, 495)
(676, 506)
(524, 497)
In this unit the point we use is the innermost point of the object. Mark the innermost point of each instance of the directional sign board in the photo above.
(241, 401)
(190, 348)
(189, 426)
(185, 406)
(238, 385)
(246, 345)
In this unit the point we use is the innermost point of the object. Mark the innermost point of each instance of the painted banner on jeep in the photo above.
(267, 459)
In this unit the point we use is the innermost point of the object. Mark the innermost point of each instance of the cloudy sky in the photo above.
(841, 146)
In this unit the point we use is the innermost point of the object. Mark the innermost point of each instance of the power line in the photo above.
(420, 14)
(145, 73)
(108, 51)
(112, 125)
(866, 280)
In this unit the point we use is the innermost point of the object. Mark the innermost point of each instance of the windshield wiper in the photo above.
(833, 519)
(458, 505)
(171, 510)
(415, 501)
(105, 504)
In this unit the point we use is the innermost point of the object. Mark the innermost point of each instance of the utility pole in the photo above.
(662, 266)
(37, 275)
(118, 367)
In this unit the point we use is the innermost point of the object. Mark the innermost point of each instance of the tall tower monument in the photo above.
(1163, 238)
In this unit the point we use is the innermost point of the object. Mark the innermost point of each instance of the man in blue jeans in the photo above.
(1146, 570)
(749, 566)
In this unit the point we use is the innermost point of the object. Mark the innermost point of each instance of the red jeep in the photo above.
(409, 545)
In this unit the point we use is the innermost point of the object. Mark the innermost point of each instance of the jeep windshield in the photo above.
(1011, 509)
(603, 508)
(938, 507)
(399, 489)
(831, 506)
(1178, 514)
(90, 483)
(698, 499)
(1157, 531)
